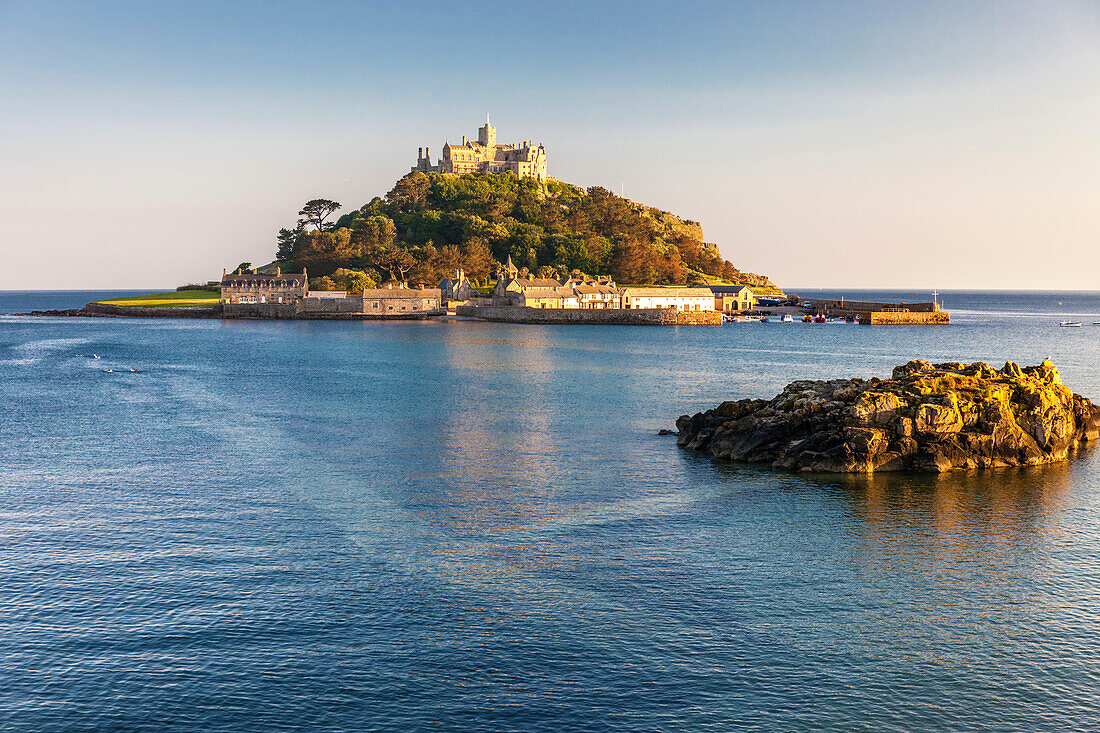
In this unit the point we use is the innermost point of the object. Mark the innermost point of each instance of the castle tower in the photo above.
(487, 135)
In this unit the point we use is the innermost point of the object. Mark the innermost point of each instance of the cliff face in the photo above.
(669, 225)
(924, 418)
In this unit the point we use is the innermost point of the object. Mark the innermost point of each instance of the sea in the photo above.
(468, 526)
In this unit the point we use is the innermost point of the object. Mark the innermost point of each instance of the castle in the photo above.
(486, 156)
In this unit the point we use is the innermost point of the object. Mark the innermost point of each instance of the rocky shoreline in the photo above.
(925, 418)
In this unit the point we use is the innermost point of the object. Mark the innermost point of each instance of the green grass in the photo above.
(176, 299)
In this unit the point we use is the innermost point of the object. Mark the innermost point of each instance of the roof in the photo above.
(536, 282)
(382, 293)
(585, 289)
(728, 289)
(250, 279)
(558, 292)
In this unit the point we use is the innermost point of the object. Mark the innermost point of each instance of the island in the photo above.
(485, 233)
(925, 418)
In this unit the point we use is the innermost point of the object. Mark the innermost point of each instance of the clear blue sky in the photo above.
(921, 144)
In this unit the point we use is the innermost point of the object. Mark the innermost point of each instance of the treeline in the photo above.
(428, 225)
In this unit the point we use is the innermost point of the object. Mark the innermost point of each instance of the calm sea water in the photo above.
(472, 526)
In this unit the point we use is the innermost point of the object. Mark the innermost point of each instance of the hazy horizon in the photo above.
(857, 145)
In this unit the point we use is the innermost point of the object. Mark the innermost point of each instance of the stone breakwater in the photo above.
(926, 417)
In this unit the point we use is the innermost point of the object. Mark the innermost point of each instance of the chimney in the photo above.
(278, 270)
(420, 153)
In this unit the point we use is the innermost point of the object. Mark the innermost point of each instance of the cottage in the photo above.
(456, 288)
(595, 295)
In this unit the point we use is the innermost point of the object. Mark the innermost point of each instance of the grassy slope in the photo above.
(177, 299)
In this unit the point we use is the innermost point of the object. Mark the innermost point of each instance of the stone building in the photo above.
(681, 299)
(736, 298)
(399, 301)
(485, 155)
(287, 296)
(457, 287)
(277, 288)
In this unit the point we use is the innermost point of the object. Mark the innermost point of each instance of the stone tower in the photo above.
(487, 135)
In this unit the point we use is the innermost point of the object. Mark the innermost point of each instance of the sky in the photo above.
(825, 144)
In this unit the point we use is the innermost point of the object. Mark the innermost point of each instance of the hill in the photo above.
(430, 224)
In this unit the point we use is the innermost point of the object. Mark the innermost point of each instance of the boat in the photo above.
(1096, 323)
(786, 319)
(765, 319)
(807, 319)
(819, 319)
(1070, 324)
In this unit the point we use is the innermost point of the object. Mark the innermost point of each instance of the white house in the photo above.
(682, 299)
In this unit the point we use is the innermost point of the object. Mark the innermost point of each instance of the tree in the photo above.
(287, 238)
(393, 259)
(315, 212)
(353, 281)
(477, 260)
(323, 283)
(245, 268)
(325, 251)
(409, 193)
(373, 232)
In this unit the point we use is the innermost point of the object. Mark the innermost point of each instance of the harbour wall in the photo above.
(593, 316)
(905, 318)
(335, 309)
(138, 311)
(839, 307)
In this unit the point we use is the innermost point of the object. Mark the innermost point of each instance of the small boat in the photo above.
(807, 319)
(1070, 324)
(1096, 323)
(135, 370)
(765, 319)
(819, 319)
(786, 319)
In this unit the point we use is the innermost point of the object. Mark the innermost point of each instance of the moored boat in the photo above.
(1070, 324)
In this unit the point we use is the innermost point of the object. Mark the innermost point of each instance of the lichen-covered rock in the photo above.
(926, 417)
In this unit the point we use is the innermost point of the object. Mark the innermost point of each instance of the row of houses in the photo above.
(276, 295)
(247, 292)
(594, 293)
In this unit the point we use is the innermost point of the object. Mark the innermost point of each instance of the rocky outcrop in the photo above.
(926, 417)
